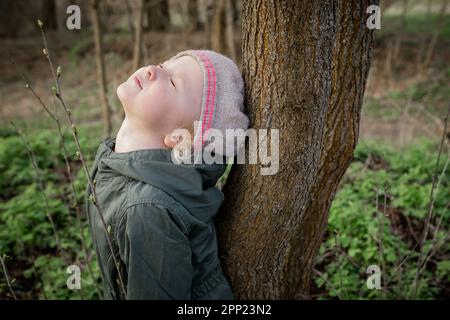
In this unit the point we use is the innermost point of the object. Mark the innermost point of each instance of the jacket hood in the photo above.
(193, 186)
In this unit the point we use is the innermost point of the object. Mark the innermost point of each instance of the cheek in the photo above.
(190, 109)
(154, 106)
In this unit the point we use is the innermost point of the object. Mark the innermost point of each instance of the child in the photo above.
(159, 213)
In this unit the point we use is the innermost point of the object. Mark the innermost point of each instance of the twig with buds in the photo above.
(58, 93)
(75, 205)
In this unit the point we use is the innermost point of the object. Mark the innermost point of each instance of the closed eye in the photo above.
(160, 65)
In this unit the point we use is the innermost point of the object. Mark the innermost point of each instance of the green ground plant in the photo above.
(377, 218)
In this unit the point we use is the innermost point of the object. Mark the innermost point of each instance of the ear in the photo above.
(171, 141)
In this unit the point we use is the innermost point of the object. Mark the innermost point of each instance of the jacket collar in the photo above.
(192, 185)
(163, 154)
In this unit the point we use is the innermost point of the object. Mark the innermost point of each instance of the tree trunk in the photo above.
(218, 26)
(129, 13)
(18, 18)
(138, 36)
(193, 23)
(209, 12)
(101, 76)
(158, 15)
(305, 69)
(229, 14)
(61, 15)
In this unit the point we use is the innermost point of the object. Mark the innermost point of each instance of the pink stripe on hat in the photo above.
(210, 94)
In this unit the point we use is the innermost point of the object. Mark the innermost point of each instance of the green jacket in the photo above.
(160, 219)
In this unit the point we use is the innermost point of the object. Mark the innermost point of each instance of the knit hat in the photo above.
(222, 101)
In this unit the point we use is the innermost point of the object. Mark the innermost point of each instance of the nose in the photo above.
(152, 72)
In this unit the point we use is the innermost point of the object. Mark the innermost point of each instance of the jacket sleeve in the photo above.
(156, 253)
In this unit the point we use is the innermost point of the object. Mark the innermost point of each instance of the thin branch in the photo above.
(75, 205)
(7, 277)
(381, 236)
(430, 210)
(338, 260)
(57, 92)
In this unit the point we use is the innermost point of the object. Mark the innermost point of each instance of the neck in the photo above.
(129, 139)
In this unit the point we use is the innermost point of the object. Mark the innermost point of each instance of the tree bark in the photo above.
(101, 73)
(305, 65)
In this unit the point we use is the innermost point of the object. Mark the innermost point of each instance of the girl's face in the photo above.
(165, 97)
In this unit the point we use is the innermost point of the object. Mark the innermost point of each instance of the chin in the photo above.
(123, 94)
(121, 91)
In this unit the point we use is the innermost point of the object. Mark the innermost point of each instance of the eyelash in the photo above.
(160, 65)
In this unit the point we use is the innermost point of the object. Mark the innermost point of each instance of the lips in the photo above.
(138, 82)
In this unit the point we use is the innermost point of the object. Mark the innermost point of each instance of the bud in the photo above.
(45, 51)
(78, 155)
(74, 129)
(69, 112)
(54, 91)
(27, 86)
(58, 71)
(40, 23)
(91, 198)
